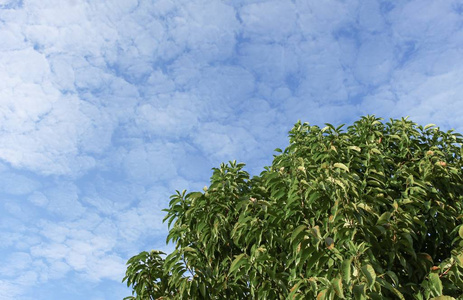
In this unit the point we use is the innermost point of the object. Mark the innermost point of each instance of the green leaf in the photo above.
(195, 195)
(435, 284)
(237, 262)
(189, 249)
(279, 194)
(346, 270)
(429, 126)
(306, 251)
(375, 151)
(355, 148)
(337, 286)
(359, 292)
(389, 286)
(384, 218)
(443, 298)
(393, 276)
(460, 231)
(294, 289)
(459, 259)
(314, 258)
(202, 289)
(322, 295)
(314, 196)
(341, 166)
(296, 232)
(370, 275)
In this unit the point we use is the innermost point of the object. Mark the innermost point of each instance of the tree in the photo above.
(375, 212)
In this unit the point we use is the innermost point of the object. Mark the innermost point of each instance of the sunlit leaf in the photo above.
(370, 275)
(337, 286)
(346, 270)
(435, 284)
(297, 231)
(322, 295)
(237, 262)
(341, 166)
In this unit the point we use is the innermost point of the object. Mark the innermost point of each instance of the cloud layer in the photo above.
(108, 107)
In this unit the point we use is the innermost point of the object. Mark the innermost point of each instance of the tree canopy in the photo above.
(374, 211)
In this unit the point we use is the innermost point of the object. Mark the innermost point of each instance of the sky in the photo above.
(108, 107)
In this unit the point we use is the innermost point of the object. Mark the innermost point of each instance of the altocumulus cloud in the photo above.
(107, 107)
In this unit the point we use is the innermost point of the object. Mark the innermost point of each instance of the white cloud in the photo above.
(208, 28)
(428, 22)
(277, 17)
(40, 130)
(321, 18)
(9, 289)
(269, 62)
(381, 103)
(436, 100)
(170, 116)
(375, 61)
(224, 142)
(17, 263)
(106, 267)
(63, 201)
(150, 163)
(26, 65)
(370, 18)
(15, 184)
(12, 38)
(71, 246)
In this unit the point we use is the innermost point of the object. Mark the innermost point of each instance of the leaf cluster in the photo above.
(372, 212)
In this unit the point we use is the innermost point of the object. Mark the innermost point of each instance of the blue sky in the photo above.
(108, 107)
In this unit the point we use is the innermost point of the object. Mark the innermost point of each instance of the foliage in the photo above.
(374, 212)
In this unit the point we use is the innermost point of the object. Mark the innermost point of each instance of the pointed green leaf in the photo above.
(294, 289)
(359, 292)
(237, 262)
(435, 284)
(279, 193)
(460, 231)
(376, 151)
(355, 148)
(337, 286)
(346, 270)
(393, 276)
(314, 196)
(194, 195)
(459, 259)
(322, 295)
(189, 249)
(384, 218)
(202, 289)
(370, 275)
(389, 286)
(314, 258)
(341, 166)
(443, 298)
(306, 252)
(297, 231)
